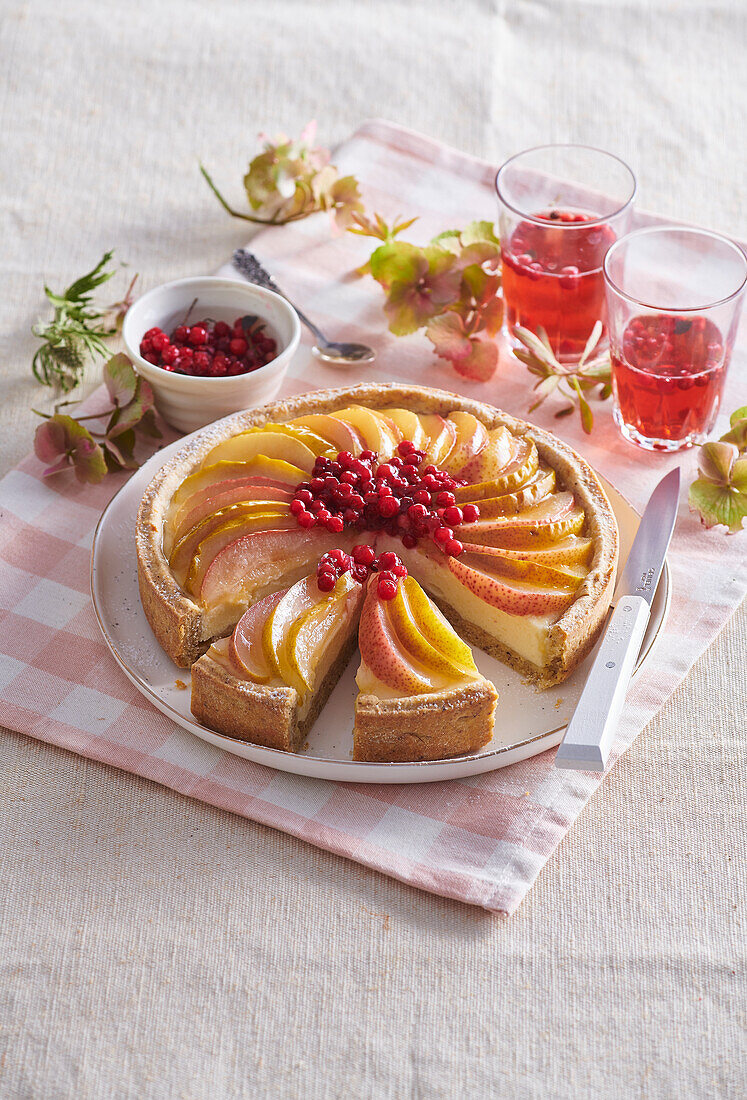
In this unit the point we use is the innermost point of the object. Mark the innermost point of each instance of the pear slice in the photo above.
(267, 442)
(245, 646)
(441, 435)
(492, 459)
(535, 490)
(411, 638)
(513, 596)
(409, 426)
(569, 551)
(521, 467)
(382, 656)
(277, 469)
(226, 533)
(187, 546)
(296, 602)
(339, 435)
(491, 559)
(472, 437)
(436, 629)
(313, 630)
(378, 432)
(552, 519)
(222, 495)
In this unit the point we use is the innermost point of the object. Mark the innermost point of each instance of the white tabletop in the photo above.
(151, 946)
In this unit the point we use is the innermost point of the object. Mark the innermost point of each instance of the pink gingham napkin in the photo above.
(482, 840)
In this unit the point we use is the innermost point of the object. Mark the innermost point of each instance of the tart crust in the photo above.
(259, 713)
(185, 631)
(447, 723)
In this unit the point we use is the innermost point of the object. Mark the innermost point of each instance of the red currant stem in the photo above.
(247, 217)
(192, 305)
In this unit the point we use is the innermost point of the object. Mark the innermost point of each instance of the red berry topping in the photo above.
(326, 580)
(306, 519)
(364, 554)
(470, 513)
(386, 588)
(452, 515)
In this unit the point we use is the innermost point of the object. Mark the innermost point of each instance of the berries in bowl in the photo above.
(210, 346)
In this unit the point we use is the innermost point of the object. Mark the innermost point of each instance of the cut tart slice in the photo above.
(421, 695)
(268, 681)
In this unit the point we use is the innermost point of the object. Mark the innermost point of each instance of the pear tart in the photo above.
(505, 527)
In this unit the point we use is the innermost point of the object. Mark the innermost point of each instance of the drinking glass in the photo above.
(674, 296)
(560, 209)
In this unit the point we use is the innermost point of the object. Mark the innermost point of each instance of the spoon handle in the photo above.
(252, 270)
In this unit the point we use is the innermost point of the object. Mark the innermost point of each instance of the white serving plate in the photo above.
(528, 722)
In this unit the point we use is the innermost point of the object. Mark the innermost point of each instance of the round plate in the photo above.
(528, 722)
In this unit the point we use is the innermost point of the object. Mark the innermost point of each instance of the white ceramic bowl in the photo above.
(186, 401)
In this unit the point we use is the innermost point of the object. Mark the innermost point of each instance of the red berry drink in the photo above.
(552, 276)
(668, 377)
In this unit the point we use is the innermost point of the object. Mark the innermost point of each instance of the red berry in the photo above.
(239, 346)
(445, 499)
(405, 447)
(387, 588)
(409, 541)
(170, 355)
(155, 331)
(389, 507)
(417, 511)
(364, 554)
(367, 455)
(335, 524)
(326, 581)
(442, 535)
(453, 515)
(198, 335)
(454, 547)
(306, 519)
(296, 507)
(359, 573)
(221, 329)
(470, 513)
(388, 560)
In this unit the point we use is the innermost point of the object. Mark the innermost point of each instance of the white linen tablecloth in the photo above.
(153, 947)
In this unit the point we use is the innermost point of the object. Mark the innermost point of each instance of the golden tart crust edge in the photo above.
(178, 622)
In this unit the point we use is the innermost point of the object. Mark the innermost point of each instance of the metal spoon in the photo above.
(329, 351)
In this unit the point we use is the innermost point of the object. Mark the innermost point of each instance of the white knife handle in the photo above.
(588, 738)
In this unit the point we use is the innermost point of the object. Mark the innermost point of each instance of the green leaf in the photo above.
(120, 379)
(715, 461)
(718, 504)
(738, 433)
(480, 231)
(397, 261)
(128, 416)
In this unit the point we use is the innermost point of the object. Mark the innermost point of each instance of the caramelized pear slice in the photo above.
(512, 596)
(300, 598)
(268, 442)
(188, 545)
(552, 519)
(278, 470)
(259, 562)
(217, 497)
(440, 435)
(409, 426)
(493, 458)
(230, 531)
(535, 490)
(436, 628)
(314, 629)
(339, 435)
(378, 432)
(383, 656)
(245, 647)
(448, 657)
(493, 560)
(522, 465)
(472, 437)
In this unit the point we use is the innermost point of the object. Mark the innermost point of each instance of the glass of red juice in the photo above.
(561, 207)
(674, 297)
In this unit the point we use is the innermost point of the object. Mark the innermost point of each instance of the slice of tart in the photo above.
(267, 682)
(421, 695)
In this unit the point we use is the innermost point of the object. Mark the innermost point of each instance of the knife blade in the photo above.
(588, 738)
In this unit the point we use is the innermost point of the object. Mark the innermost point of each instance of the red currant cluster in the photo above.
(360, 564)
(210, 349)
(396, 496)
